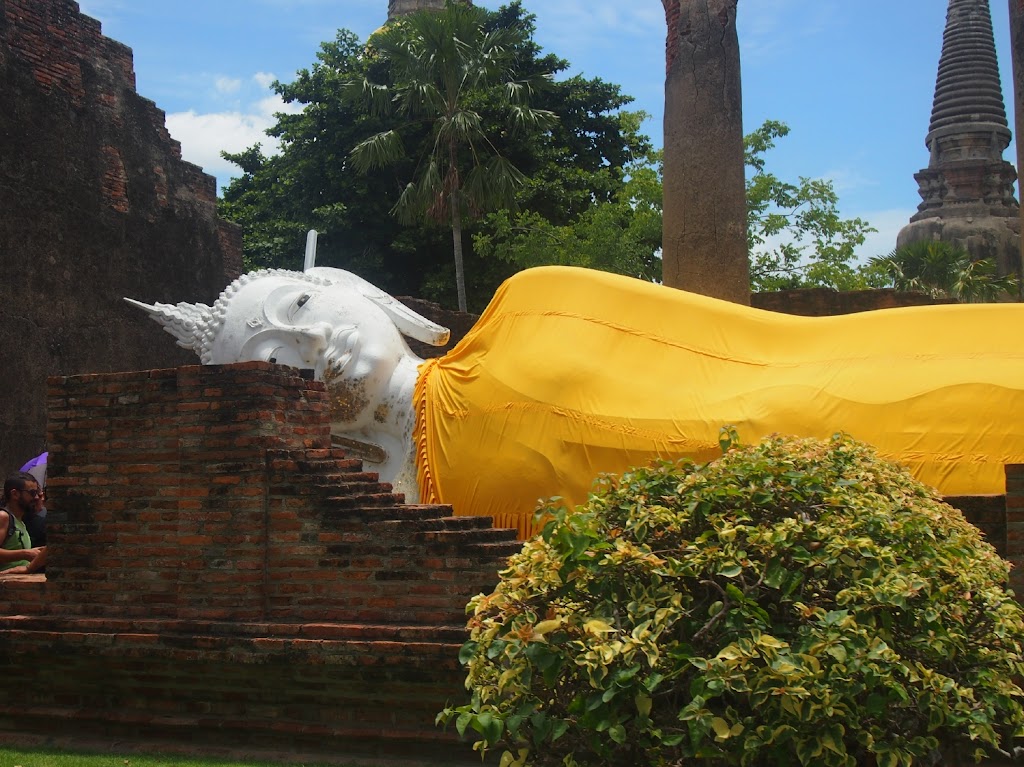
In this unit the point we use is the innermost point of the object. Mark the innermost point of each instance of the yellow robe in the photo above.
(570, 373)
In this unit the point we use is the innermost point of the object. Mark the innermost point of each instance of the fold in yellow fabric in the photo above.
(570, 373)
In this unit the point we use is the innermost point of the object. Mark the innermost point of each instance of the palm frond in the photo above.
(492, 184)
(420, 98)
(944, 270)
(462, 127)
(424, 197)
(377, 151)
(376, 97)
(523, 118)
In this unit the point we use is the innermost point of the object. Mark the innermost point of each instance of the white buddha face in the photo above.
(346, 339)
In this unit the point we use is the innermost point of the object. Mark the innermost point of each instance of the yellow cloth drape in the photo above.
(570, 373)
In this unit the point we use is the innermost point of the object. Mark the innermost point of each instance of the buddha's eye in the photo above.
(298, 304)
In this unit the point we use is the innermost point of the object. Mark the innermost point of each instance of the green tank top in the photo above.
(16, 541)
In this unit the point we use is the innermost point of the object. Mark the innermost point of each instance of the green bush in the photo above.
(795, 603)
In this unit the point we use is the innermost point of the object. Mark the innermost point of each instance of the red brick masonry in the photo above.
(219, 572)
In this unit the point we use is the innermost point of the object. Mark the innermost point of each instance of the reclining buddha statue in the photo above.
(570, 373)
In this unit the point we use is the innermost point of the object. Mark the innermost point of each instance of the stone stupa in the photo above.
(398, 8)
(967, 188)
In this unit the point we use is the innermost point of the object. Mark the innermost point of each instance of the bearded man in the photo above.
(17, 555)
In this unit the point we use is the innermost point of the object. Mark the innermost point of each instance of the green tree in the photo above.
(622, 235)
(941, 270)
(311, 182)
(439, 62)
(795, 235)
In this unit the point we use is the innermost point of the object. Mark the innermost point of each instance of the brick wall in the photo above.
(218, 571)
(219, 574)
(1015, 525)
(824, 302)
(97, 204)
(987, 513)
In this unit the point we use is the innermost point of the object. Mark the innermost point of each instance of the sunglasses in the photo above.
(32, 493)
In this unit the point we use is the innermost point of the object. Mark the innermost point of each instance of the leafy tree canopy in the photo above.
(621, 235)
(444, 65)
(796, 235)
(312, 182)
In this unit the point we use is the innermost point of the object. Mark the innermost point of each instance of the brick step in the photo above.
(463, 537)
(364, 501)
(351, 487)
(325, 479)
(432, 523)
(497, 550)
(329, 465)
(398, 512)
(291, 464)
(334, 478)
(325, 494)
(424, 617)
(389, 631)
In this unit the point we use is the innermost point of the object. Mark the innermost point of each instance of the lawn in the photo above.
(49, 757)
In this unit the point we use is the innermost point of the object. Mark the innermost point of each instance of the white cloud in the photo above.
(771, 28)
(225, 85)
(848, 179)
(888, 223)
(264, 79)
(271, 105)
(586, 23)
(204, 135)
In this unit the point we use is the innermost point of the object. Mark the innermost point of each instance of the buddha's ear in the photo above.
(186, 322)
(408, 322)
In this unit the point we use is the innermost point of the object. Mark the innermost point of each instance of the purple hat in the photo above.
(37, 468)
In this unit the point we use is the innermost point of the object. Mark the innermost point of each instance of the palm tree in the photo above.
(941, 270)
(439, 64)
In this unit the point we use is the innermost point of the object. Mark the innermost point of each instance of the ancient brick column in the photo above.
(704, 234)
(96, 203)
(1015, 526)
(398, 8)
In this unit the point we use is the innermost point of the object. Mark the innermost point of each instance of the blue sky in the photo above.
(854, 80)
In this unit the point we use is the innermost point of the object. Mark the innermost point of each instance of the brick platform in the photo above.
(221, 576)
(218, 573)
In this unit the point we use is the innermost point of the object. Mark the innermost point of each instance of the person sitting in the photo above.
(35, 520)
(17, 555)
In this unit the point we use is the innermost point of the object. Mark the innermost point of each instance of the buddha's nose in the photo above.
(316, 339)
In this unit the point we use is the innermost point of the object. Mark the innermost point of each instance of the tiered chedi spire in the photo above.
(967, 188)
(398, 8)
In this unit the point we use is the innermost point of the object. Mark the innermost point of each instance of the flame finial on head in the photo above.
(189, 323)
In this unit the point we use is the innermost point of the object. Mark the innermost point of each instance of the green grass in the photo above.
(49, 757)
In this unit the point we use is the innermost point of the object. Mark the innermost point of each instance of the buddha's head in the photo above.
(328, 320)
